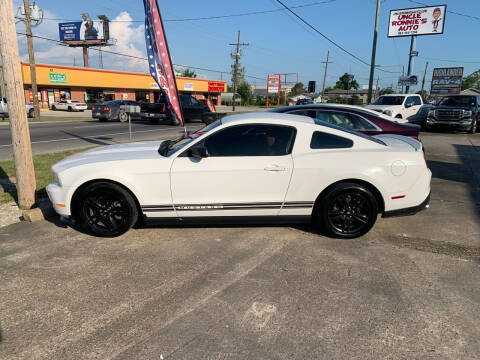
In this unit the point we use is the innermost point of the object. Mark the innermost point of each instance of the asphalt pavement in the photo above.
(407, 290)
(66, 135)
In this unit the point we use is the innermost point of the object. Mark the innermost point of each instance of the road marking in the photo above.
(93, 137)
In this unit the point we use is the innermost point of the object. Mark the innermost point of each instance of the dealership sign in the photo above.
(81, 31)
(447, 80)
(407, 80)
(417, 21)
(216, 86)
(273, 84)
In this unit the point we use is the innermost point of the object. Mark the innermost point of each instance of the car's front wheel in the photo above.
(105, 209)
(347, 211)
(123, 116)
(473, 129)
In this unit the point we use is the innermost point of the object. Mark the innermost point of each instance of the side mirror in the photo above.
(198, 152)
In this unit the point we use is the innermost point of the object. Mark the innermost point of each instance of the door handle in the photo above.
(275, 168)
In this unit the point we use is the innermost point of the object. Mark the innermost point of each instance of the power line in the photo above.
(449, 11)
(326, 37)
(316, 3)
(58, 42)
(450, 60)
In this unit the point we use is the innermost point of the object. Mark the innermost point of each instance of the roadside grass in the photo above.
(43, 173)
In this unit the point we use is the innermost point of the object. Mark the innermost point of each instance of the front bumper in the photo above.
(57, 196)
(408, 211)
(463, 124)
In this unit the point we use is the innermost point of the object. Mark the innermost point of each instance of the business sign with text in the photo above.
(417, 21)
(447, 81)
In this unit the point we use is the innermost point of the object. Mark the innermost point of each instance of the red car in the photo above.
(354, 118)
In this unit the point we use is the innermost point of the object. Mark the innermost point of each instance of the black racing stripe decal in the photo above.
(228, 206)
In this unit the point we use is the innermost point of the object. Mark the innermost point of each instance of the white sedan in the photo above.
(69, 105)
(260, 167)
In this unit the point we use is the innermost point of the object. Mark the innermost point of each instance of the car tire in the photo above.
(473, 128)
(398, 116)
(123, 116)
(154, 121)
(54, 108)
(346, 211)
(31, 113)
(69, 109)
(105, 209)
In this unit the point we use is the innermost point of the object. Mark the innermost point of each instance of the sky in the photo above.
(278, 42)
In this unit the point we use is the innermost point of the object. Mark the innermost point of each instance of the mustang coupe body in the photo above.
(259, 166)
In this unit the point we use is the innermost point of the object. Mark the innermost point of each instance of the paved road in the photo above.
(407, 290)
(66, 135)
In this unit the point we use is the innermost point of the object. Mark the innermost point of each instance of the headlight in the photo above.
(388, 112)
(467, 113)
(431, 113)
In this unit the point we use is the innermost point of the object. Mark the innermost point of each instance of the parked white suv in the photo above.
(400, 106)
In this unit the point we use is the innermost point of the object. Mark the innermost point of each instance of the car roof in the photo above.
(270, 117)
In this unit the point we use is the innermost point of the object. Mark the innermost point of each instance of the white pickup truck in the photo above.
(4, 109)
(399, 106)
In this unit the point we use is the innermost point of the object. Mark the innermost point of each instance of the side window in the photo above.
(417, 100)
(344, 120)
(252, 140)
(184, 100)
(194, 101)
(321, 140)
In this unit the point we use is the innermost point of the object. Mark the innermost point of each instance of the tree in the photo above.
(188, 73)
(245, 91)
(347, 82)
(297, 89)
(471, 81)
(386, 91)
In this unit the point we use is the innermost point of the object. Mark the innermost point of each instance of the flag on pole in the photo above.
(159, 60)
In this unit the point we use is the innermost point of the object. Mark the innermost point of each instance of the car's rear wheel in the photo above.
(123, 116)
(31, 113)
(70, 109)
(347, 211)
(54, 107)
(105, 209)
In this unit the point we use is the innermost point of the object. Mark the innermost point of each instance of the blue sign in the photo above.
(70, 31)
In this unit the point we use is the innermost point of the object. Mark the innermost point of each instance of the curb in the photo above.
(42, 212)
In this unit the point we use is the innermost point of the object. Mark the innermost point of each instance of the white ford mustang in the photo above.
(260, 166)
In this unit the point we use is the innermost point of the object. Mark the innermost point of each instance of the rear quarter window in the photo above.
(321, 140)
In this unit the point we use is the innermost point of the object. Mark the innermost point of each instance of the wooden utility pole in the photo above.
(325, 74)
(85, 56)
(423, 81)
(22, 151)
(374, 52)
(237, 57)
(31, 59)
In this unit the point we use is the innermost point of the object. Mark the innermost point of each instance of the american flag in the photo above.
(159, 61)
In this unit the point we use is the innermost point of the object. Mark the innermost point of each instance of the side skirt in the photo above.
(230, 220)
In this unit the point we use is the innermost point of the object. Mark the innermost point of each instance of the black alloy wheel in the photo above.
(70, 109)
(31, 113)
(348, 211)
(54, 108)
(106, 209)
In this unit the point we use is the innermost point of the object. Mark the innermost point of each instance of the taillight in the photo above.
(93, 108)
(106, 108)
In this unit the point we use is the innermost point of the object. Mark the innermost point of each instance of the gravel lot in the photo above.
(407, 290)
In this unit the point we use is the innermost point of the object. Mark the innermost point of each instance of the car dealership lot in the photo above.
(409, 289)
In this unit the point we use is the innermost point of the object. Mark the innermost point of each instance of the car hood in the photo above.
(120, 152)
(440, 107)
(384, 107)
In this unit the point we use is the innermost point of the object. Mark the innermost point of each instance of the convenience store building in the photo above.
(57, 83)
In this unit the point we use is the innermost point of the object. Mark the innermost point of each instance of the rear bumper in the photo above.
(410, 210)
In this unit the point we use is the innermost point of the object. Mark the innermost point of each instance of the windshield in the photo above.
(457, 101)
(389, 100)
(185, 139)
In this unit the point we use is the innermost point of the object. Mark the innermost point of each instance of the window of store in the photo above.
(142, 96)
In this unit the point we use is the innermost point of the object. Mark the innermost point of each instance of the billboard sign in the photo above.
(81, 31)
(57, 78)
(447, 81)
(408, 80)
(273, 84)
(428, 20)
